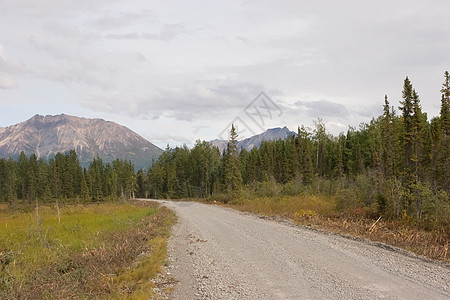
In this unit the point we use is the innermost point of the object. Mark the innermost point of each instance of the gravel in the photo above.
(220, 253)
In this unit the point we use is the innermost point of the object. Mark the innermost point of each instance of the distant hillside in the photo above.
(255, 141)
(47, 135)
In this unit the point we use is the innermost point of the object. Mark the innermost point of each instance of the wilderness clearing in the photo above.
(220, 253)
(96, 251)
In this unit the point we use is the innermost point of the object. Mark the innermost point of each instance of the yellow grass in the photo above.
(287, 206)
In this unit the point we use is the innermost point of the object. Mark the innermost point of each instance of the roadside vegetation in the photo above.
(321, 212)
(96, 251)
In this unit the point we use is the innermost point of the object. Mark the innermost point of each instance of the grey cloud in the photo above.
(110, 22)
(6, 81)
(168, 32)
(369, 111)
(67, 30)
(124, 36)
(8, 68)
(8, 65)
(67, 64)
(206, 99)
(322, 108)
(53, 8)
(63, 61)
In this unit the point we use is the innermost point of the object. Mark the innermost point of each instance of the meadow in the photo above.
(107, 250)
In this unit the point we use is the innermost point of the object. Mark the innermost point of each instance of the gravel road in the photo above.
(219, 253)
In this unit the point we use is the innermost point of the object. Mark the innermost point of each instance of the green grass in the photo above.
(88, 242)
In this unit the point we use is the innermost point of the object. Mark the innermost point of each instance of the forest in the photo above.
(62, 178)
(397, 166)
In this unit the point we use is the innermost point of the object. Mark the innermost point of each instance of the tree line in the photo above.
(63, 178)
(397, 165)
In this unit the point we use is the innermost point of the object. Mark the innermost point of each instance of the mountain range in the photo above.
(47, 135)
(255, 141)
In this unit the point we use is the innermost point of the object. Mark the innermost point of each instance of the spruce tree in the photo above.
(416, 136)
(442, 157)
(388, 140)
(445, 106)
(232, 167)
(407, 109)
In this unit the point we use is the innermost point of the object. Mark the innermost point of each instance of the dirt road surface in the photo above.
(219, 253)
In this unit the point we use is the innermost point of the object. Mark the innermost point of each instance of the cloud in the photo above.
(369, 111)
(167, 33)
(5, 81)
(114, 21)
(8, 68)
(322, 108)
(65, 30)
(204, 99)
(123, 36)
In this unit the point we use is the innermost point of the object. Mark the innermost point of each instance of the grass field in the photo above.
(321, 212)
(108, 250)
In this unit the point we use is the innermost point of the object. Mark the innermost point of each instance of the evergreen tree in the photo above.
(416, 136)
(320, 139)
(441, 157)
(407, 109)
(232, 168)
(389, 140)
(84, 189)
(445, 106)
(304, 154)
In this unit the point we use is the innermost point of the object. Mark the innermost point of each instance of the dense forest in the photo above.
(397, 165)
(62, 178)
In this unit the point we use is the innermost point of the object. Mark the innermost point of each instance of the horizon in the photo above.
(162, 147)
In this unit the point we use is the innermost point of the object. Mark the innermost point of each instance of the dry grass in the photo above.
(86, 255)
(320, 212)
(432, 244)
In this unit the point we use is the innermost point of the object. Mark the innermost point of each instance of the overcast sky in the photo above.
(178, 71)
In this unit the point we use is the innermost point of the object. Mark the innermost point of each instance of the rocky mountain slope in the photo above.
(47, 135)
(255, 141)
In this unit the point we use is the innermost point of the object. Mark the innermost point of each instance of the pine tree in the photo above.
(232, 167)
(407, 109)
(442, 153)
(389, 154)
(84, 192)
(445, 106)
(320, 137)
(304, 153)
(416, 136)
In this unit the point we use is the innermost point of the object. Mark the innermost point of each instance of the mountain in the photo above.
(272, 134)
(221, 144)
(47, 135)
